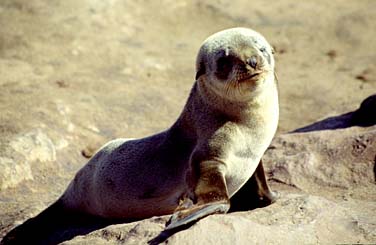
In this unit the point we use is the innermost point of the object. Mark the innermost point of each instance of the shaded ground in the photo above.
(75, 74)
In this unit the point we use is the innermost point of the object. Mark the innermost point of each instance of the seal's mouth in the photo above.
(250, 77)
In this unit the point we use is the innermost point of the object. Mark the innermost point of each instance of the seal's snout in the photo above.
(253, 61)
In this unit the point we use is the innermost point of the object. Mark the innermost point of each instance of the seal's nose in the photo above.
(252, 61)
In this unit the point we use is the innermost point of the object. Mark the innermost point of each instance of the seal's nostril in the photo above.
(252, 61)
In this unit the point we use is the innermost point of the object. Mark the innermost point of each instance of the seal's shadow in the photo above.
(364, 116)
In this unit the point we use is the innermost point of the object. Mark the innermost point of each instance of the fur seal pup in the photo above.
(192, 169)
(214, 147)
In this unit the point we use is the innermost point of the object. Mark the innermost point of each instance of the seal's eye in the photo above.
(263, 49)
(224, 67)
(265, 54)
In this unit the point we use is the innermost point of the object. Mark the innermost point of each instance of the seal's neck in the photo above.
(205, 111)
(237, 110)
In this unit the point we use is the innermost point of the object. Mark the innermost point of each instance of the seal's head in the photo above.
(235, 63)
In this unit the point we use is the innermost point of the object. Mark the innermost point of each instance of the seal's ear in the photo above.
(201, 70)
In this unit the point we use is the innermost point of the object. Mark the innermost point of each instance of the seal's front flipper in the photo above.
(185, 217)
(210, 193)
(255, 193)
(266, 195)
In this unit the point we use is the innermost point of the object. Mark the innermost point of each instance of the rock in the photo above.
(132, 233)
(326, 181)
(35, 145)
(25, 149)
(335, 170)
(294, 219)
(13, 172)
(340, 159)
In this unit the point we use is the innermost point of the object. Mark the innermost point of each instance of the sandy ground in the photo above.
(75, 74)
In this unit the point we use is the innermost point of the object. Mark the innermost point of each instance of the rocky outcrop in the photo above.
(294, 219)
(326, 180)
(335, 160)
(25, 149)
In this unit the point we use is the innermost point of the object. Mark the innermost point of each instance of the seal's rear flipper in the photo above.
(186, 217)
(54, 225)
